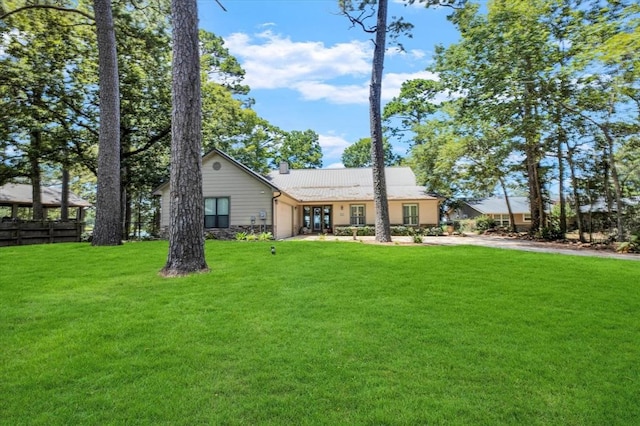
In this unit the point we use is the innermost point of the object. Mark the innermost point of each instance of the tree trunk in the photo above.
(562, 137)
(512, 219)
(186, 223)
(383, 228)
(616, 186)
(36, 186)
(108, 230)
(576, 195)
(64, 200)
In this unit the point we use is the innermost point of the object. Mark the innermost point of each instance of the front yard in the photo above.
(320, 333)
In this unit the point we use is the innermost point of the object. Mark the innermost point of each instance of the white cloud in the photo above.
(392, 82)
(335, 166)
(337, 74)
(273, 61)
(414, 54)
(349, 94)
(332, 145)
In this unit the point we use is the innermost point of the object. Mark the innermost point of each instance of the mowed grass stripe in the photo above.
(320, 333)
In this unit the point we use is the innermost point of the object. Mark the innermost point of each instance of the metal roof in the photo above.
(309, 185)
(21, 194)
(498, 205)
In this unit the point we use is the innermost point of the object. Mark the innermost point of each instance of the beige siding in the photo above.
(284, 220)
(287, 223)
(247, 195)
(164, 207)
(427, 211)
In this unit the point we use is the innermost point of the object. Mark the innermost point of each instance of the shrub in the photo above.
(241, 236)
(549, 233)
(265, 236)
(417, 238)
(484, 222)
(434, 231)
(401, 230)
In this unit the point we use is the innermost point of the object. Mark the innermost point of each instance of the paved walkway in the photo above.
(488, 241)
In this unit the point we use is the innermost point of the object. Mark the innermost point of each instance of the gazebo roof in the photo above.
(21, 194)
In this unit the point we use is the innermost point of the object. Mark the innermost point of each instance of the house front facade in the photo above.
(497, 209)
(288, 202)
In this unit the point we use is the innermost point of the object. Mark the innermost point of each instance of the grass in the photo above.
(321, 333)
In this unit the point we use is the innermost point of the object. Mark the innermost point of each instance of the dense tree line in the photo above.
(542, 98)
(50, 101)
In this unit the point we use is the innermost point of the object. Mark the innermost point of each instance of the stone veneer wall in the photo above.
(226, 233)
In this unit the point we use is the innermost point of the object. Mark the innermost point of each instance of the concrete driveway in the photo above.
(489, 241)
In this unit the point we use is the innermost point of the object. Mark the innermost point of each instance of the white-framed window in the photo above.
(526, 217)
(216, 212)
(501, 219)
(357, 214)
(410, 214)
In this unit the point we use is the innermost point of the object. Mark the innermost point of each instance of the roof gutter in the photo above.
(274, 202)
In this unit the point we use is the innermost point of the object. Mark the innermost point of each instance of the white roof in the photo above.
(19, 193)
(308, 185)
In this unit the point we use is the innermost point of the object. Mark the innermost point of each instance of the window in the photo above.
(357, 214)
(501, 220)
(216, 212)
(410, 214)
(526, 217)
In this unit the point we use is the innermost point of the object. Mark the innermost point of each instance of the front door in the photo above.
(317, 218)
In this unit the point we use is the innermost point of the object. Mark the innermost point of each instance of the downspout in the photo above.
(274, 202)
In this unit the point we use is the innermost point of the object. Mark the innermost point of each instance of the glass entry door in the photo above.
(317, 218)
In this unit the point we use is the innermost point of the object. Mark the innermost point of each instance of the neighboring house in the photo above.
(291, 201)
(17, 196)
(496, 208)
(600, 205)
(596, 216)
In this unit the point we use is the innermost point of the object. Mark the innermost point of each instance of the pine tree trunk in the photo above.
(107, 231)
(36, 186)
(186, 223)
(512, 218)
(64, 199)
(576, 195)
(383, 228)
(562, 138)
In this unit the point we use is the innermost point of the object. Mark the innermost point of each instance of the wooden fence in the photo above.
(39, 232)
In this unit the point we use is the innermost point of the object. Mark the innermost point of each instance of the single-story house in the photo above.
(496, 208)
(16, 196)
(288, 201)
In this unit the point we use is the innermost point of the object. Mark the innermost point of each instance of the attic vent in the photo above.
(284, 168)
(217, 165)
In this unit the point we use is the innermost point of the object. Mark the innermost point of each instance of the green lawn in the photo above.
(321, 333)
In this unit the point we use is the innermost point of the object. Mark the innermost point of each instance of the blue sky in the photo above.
(308, 69)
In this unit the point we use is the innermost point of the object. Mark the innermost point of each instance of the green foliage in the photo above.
(417, 238)
(484, 223)
(435, 231)
(241, 236)
(265, 236)
(359, 154)
(549, 233)
(301, 150)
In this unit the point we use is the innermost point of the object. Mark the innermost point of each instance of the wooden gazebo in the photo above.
(19, 195)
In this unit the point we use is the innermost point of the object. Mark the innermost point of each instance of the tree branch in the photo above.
(46, 6)
(164, 132)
